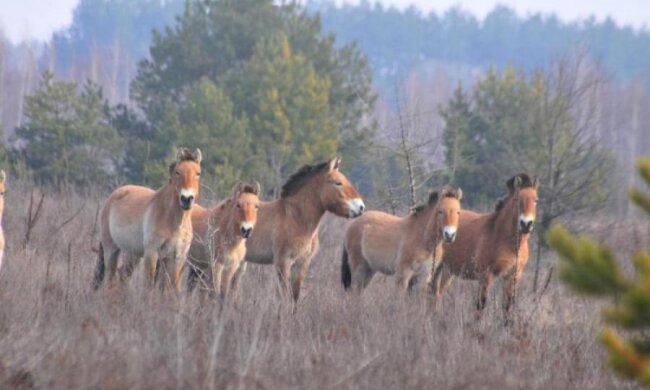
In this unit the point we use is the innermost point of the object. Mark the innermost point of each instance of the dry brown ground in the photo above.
(57, 333)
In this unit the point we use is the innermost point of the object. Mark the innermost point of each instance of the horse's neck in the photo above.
(505, 226)
(171, 208)
(430, 230)
(305, 208)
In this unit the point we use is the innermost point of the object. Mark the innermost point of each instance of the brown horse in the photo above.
(286, 234)
(220, 235)
(3, 180)
(151, 224)
(493, 245)
(407, 246)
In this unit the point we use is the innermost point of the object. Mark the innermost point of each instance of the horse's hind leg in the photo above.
(362, 274)
(100, 268)
(111, 264)
(131, 262)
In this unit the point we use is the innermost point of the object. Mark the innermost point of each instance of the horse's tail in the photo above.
(346, 274)
(192, 277)
(99, 268)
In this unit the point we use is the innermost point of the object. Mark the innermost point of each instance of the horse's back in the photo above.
(377, 235)
(124, 214)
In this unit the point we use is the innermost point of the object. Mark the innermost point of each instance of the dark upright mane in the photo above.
(248, 189)
(185, 154)
(298, 179)
(525, 182)
(434, 196)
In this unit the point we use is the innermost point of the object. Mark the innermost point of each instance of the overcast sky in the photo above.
(25, 19)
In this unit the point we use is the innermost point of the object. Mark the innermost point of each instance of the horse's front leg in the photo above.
(298, 274)
(404, 275)
(283, 263)
(509, 294)
(442, 278)
(180, 260)
(484, 286)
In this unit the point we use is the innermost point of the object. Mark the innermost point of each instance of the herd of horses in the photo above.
(183, 243)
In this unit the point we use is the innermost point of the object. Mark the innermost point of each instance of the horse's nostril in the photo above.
(361, 208)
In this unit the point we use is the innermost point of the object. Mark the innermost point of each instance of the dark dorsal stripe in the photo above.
(298, 179)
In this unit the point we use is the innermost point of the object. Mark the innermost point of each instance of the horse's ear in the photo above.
(535, 182)
(172, 168)
(180, 154)
(334, 164)
(197, 156)
(513, 183)
(433, 197)
(3, 176)
(257, 188)
(459, 193)
(237, 189)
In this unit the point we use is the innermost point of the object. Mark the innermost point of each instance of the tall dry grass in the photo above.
(55, 332)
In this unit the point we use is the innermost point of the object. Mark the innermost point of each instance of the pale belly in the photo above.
(380, 258)
(127, 236)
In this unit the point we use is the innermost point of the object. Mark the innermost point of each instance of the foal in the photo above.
(220, 235)
(151, 224)
(407, 246)
(493, 245)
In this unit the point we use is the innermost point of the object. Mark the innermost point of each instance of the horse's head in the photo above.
(524, 191)
(447, 211)
(245, 200)
(184, 174)
(337, 194)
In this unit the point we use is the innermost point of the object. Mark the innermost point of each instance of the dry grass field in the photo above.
(55, 332)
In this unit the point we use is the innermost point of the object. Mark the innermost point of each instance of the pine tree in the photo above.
(591, 268)
(67, 138)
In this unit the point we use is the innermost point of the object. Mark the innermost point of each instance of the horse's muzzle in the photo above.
(246, 231)
(356, 207)
(526, 227)
(186, 201)
(449, 234)
(449, 237)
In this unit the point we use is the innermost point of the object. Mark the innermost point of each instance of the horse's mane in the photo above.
(248, 189)
(184, 154)
(434, 196)
(526, 182)
(298, 179)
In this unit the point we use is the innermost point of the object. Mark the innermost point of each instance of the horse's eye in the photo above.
(178, 173)
(338, 183)
(238, 206)
(257, 207)
(198, 174)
